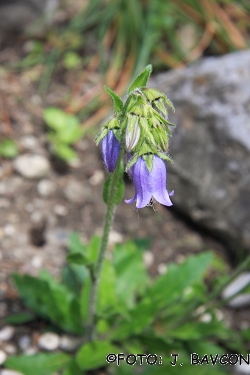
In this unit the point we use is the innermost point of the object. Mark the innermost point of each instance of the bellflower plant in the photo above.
(140, 128)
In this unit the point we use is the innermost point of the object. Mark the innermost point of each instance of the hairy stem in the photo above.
(111, 204)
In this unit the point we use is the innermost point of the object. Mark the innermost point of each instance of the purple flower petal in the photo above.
(110, 151)
(159, 178)
(143, 184)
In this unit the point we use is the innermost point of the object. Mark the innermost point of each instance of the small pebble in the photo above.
(10, 372)
(9, 230)
(37, 261)
(162, 268)
(6, 333)
(3, 357)
(205, 318)
(69, 343)
(74, 163)
(148, 258)
(49, 341)
(76, 192)
(115, 237)
(96, 178)
(24, 342)
(10, 349)
(30, 351)
(46, 187)
(29, 142)
(32, 166)
(60, 210)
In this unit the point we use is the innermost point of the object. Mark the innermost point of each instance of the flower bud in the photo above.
(110, 150)
(133, 132)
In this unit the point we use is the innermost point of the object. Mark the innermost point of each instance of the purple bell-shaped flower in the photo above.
(148, 184)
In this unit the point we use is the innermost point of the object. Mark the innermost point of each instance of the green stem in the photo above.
(111, 203)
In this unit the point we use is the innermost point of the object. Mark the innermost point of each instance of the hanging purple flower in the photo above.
(110, 150)
(150, 184)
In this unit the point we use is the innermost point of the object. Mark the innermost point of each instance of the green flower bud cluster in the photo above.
(141, 125)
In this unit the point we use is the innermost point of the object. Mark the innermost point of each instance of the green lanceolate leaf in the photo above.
(39, 364)
(50, 299)
(117, 102)
(19, 318)
(75, 245)
(93, 355)
(141, 80)
(78, 258)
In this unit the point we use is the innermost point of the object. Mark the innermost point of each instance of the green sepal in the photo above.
(117, 102)
(161, 138)
(141, 80)
(103, 132)
(162, 120)
(134, 103)
(169, 103)
(144, 149)
(149, 160)
(120, 187)
(160, 106)
(112, 124)
(146, 129)
(155, 94)
(117, 134)
(132, 161)
(164, 157)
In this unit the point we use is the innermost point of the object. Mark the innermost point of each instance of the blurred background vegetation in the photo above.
(109, 41)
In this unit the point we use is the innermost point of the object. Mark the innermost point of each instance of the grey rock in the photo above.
(211, 144)
(238, 284)
(242, 368)
(49, 341)
(32, 166)
(18, 15)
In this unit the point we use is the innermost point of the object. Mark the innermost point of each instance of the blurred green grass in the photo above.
(115, 39)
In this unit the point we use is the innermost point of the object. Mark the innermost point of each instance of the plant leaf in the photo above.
(78, 258)
(117, 102)
(131, 275)
(51, 300)
(141, 80)
(19, 318)
(38, 364)
(8, 149)
(93, 355)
